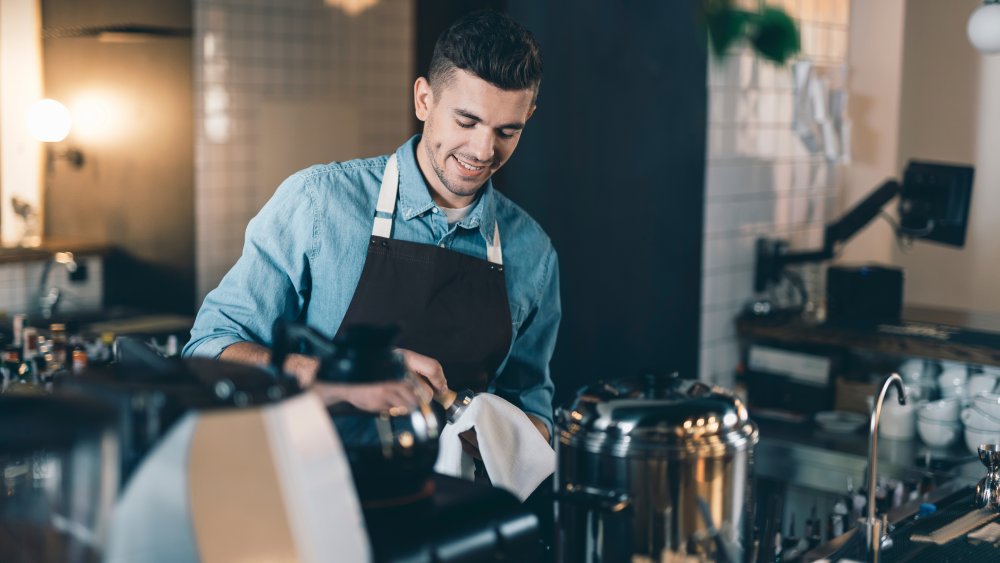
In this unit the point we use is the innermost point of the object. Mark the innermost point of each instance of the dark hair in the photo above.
(493, 47)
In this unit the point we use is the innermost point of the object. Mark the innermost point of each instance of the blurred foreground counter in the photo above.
(458, 521)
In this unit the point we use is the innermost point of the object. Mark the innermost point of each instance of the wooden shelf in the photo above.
(965, 336)
(12, 254)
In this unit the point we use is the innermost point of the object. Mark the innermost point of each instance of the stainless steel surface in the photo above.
(458, 405)
(653, 467)
(874, 528)
(988, 488)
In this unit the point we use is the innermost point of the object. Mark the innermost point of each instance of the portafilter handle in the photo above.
(454, 403)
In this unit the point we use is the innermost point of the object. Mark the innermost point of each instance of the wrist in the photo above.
(543, 428)
(304, 368)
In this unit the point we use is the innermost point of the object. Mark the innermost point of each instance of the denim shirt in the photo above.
(304, 251)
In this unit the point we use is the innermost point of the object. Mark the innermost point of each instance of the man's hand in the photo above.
(397, 397)
(427, 368)
(371, 397)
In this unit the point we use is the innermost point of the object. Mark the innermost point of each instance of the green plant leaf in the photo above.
(725, 27)
(775, 36)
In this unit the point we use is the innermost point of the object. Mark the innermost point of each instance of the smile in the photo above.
(468, 166)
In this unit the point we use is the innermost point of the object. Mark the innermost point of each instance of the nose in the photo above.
(481, 145)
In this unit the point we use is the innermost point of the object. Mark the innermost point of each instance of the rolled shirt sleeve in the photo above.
(270, 280)
(524, 379)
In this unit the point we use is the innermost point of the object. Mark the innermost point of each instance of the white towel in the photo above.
(515, 454)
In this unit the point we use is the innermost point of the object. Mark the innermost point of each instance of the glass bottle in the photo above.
(57, 334)
(11, 363)
(77, 355)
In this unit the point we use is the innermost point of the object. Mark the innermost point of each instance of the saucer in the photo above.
(842, 422)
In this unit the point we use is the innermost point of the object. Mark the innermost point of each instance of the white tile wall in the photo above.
(760, 180)
(19, 286)
(297, 64)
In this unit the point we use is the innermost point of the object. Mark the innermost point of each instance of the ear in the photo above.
(423, 98)
(531, 112)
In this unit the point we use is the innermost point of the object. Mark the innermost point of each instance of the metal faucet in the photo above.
(875, 529)
(48, 298)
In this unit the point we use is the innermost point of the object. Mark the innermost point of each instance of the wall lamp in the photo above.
(984, 27)
(49, 121)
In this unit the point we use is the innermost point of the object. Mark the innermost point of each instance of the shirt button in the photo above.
(434, 209)
(442, 245)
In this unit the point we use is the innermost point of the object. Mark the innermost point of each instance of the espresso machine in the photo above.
(252, 471)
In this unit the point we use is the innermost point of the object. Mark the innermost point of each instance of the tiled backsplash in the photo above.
(20, 285)
(760, 179)
(283, 85)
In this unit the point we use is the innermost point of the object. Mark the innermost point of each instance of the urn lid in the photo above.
(656, 413)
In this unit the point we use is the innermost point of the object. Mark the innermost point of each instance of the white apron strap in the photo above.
(493, 252)
(386, 206)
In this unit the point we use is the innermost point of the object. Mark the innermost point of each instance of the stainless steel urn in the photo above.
(654, 468)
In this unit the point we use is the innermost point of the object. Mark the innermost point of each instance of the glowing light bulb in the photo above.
(49, 121)
(984, 27)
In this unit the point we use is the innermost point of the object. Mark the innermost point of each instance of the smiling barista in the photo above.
(414, 239)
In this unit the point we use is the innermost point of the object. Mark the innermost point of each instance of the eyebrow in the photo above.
(477, 119)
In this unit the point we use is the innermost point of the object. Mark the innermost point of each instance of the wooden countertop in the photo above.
(13, 254)
(966, 336)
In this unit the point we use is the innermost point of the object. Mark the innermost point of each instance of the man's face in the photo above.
(471, 128)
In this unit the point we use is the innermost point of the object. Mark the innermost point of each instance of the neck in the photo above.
(441, 195)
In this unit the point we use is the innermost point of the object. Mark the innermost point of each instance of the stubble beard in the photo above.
(458, 190)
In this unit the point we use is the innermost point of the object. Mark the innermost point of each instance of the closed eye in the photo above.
(466, 124)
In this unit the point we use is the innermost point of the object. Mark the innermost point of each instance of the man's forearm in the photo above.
(302, 367)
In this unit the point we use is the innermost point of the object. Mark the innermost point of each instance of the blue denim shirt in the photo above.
(307, 246)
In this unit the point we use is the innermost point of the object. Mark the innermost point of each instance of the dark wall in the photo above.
(433, 17)
(612, 166)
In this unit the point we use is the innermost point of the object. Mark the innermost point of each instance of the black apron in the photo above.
(449, 306)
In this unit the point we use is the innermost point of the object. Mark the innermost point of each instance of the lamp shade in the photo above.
(984, 27)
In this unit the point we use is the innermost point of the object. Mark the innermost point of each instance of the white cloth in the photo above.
(516, 456)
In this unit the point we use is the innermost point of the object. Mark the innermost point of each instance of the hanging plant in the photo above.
(770, 31)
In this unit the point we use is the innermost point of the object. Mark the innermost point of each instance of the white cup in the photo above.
(898, 421)
(944, 410)
(974, 437)
(981, 383)
(975, 418)
(911, 370)
(987, 403)
(937, 434)
(952, 381)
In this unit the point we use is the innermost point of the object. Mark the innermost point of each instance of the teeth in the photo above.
(469, 166)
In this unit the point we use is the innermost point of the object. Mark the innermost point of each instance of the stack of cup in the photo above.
(938, 421)
(982, 421)
(953, 380)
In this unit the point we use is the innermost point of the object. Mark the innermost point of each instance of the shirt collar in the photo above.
(415, 194)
